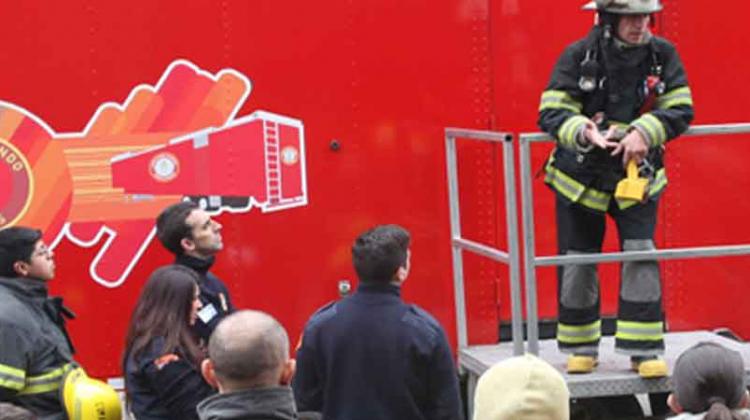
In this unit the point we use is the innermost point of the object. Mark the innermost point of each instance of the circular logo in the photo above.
(289, 155)
(164, 167)
(16, 172)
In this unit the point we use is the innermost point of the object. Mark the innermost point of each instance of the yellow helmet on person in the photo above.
(624, 7)
(85, 398)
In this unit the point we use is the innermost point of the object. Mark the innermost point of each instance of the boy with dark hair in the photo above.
(36, 350)
(371, 355)
(190, 233)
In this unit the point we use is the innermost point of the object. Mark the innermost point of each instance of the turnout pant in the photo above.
(640, 326)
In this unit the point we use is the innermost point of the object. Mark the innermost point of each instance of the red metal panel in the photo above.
(528, 37)
(382, 78)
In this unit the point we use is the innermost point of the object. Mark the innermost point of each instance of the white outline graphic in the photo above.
(106, 233)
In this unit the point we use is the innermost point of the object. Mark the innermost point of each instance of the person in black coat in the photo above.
(162, 356)
(372, 356)
(194, 238)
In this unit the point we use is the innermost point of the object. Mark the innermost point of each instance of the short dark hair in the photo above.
(248, 348)
(16, 244)
(378, 253)
(171, 226)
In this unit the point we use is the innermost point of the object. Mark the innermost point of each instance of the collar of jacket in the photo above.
(379, 288)
(258, 403)
(201, 266)
(620, 44)
(31, 288)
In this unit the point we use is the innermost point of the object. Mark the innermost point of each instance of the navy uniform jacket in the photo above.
(164, 386)
(214, 296)
(373, 356)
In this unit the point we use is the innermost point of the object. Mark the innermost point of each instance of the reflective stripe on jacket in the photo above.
(589, 178)
(35, 352)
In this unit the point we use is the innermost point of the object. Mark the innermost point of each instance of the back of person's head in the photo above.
(171, 225)
(380, 252)
(16, 244)
(709, 377)
(164, 309)
(248, 349)
(12, 412)
(521, 388)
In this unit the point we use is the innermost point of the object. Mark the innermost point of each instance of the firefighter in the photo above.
(617, 95)
(36, 351)
(194, 238)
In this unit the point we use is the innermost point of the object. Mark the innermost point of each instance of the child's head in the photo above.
(708, 377)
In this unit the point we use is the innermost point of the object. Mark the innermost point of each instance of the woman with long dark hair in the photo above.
(162, 356)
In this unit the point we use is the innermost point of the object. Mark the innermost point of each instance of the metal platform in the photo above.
(613, 375)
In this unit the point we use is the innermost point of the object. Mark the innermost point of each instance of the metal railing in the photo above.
(531, 260)
(460, 244)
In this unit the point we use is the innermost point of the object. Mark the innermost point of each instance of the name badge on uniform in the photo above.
(207, 313)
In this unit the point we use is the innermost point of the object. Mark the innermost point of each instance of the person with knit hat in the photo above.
(709, 384)
(521, 388)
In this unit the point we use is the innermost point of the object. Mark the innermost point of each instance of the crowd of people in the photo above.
(615, 98)
(190, 354)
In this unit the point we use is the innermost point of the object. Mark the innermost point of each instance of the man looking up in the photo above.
(372, 356)
(190, 233)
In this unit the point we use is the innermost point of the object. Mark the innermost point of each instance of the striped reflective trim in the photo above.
(656, 187)
(595, 199)
(559, 99)
(562, 183)
(576, 334)
(659, 182)
(575, 191)
(675, 97)
(12, 378)
(46, 382)
(640, 331)
(567, 132)
(653, 128)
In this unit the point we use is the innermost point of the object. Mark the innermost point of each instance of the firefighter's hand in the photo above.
(632, 146)
(592, 134)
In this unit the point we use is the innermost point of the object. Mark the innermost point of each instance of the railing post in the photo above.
(527, 202)
(455, 215)
(512, 227)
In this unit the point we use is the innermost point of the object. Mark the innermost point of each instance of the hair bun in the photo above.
(716, 400)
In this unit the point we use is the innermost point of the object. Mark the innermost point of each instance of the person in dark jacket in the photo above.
(194, 238)
(248, 361)
(35, 350)
(371, 356)
(614, 99)
(162, 356)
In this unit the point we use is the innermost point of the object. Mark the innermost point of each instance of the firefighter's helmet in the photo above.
(87, 398)
(624, 7)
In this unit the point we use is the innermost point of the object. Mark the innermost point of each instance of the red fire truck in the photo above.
(359, 95)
